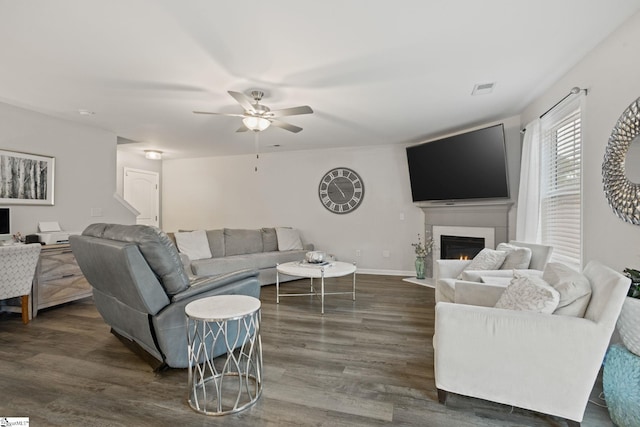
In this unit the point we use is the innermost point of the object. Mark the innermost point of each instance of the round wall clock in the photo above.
(341, 190)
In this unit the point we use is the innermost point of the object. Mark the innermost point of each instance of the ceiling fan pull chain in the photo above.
(255, 133)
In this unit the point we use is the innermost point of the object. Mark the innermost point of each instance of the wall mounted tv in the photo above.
(467, 166)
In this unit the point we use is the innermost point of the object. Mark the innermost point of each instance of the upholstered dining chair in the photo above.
(17, 269)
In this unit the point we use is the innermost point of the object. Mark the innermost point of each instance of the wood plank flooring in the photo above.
(364, 363)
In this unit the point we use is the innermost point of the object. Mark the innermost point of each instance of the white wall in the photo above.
(610, 73)
(227, 192)
(84, 170)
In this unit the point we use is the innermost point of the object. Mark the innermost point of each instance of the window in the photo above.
(561, 184)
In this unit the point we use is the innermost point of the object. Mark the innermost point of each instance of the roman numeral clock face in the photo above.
(341, 190)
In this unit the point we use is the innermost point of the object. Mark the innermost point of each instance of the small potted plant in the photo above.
(422, 250)
(629, 320)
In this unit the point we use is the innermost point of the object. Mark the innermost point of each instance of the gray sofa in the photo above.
(141, 288)
(237, 249)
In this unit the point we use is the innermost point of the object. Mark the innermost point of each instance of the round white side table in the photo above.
(228, 325)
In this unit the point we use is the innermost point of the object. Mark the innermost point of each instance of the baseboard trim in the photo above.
(386, 272)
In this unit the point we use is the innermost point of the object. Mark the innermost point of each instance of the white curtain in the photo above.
(528, 214)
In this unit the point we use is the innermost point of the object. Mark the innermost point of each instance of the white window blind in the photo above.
(561, 185)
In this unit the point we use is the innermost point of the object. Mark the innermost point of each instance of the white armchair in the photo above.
(541, 362)
(448, 270)
(17, 269)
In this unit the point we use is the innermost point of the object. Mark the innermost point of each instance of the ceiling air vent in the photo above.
(483, 88)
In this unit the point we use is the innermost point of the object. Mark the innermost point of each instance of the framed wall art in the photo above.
(26, 179)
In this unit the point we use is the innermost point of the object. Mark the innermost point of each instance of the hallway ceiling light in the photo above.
(153, 154)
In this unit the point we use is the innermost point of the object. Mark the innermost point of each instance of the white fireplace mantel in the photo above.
(488, 215)
(486, 233)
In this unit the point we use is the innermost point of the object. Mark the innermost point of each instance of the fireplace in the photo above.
(486, 233)
(460, 247)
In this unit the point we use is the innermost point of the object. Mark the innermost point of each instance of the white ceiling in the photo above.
(375, 72)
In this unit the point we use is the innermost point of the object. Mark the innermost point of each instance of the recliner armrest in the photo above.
(207, 283)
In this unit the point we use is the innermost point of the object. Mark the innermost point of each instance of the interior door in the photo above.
(141, 191)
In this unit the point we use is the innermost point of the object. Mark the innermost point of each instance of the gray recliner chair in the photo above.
(140, 288)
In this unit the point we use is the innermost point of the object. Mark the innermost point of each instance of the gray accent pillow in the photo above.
(517, 256)
(216, 243)
(269, 240)
(574, 289)
(529, 293)
(240, 242)
(486, 259)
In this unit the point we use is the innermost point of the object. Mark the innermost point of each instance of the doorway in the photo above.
(141, 190)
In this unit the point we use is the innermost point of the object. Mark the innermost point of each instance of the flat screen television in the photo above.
(468, 166)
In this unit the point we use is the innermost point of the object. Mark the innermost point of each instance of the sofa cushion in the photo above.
(288, 239)
(486, 259)
(517, 256)
(156, 247)
(216, 242)
(215, 266)
(529, 293)
(269, 240)
(194, 244)
(574, 289)
(241, 242)
(270, 259)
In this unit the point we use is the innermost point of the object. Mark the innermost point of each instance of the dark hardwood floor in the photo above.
(364, 363)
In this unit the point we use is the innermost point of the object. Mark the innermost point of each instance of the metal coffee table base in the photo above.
(335, 269)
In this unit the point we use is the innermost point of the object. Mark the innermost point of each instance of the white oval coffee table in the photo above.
(315, 271)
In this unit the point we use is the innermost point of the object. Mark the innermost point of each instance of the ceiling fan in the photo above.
(258, 117)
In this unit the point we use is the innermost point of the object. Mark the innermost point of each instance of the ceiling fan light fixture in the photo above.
(153, 154)
(256, 123)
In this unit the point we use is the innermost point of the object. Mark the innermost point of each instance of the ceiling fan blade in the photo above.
(242, 100)
(242, 128)
(219, 114)
(293, 111)
(286, 126)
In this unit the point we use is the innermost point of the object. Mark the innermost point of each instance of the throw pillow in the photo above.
(486, 259)
(574, 288)
(194, 244)
(517, 256)
(529, 293)
(288, 239)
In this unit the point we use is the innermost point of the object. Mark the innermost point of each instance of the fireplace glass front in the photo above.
(460, 247)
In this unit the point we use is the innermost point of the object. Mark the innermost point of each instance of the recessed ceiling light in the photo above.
(483, 88)
(86, 112)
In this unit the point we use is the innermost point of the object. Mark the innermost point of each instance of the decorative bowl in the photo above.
(315, 257)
